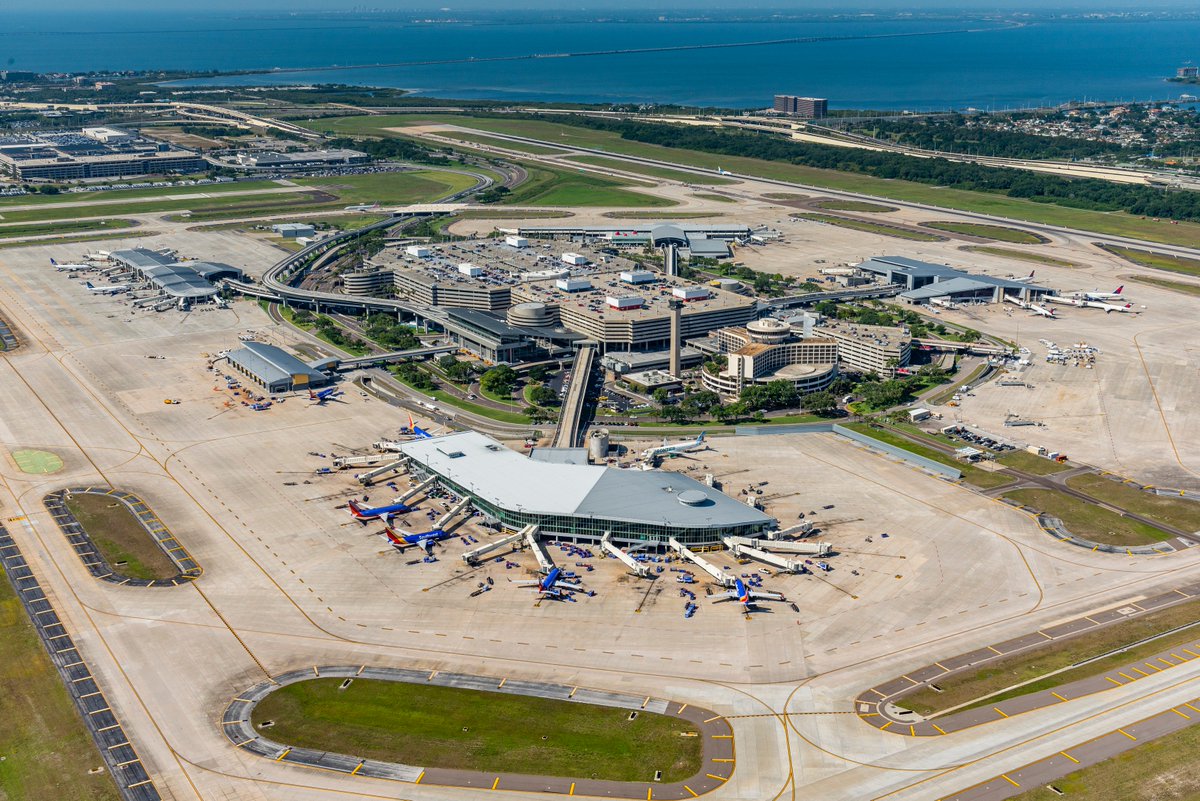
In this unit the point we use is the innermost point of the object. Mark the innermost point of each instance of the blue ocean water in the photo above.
(992, 66)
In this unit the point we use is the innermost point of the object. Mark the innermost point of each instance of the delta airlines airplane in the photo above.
(552, 586)
(111, 289)
(1025, 280)
(69, 268)
(1114, 295)
(745, 596)
(379, 512)
(676, 449)
(1042, 310)
(1109, 307)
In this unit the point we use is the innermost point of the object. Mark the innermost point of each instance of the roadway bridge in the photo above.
(569, 422)
(813, 298)
(394, 356)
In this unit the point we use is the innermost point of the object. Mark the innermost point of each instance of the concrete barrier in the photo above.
(900, 453)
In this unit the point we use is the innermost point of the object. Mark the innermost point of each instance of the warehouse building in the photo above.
(274, 369)
(582, 501)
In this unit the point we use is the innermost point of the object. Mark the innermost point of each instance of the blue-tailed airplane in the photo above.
(745, 596)
(69, 268)
(319, 398)
(552, 586)
(111, 289)
(417, 431)
(403, 539)
(378, 513)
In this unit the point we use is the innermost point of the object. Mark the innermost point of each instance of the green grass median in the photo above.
(999, 233)
(447, 727)
(1177, 512)
(120, 537)
(1087, 520)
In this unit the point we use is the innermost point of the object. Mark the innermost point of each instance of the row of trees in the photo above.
(1087, 193)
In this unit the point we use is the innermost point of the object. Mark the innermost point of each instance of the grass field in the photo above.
(1087, 520)
(551, 187)
(63, 227)
(1157, 261)
(442, 396)
(971, 475)
(120, 537)
(1178, 512)
(133, 194)
(1158, 770)
(1031, 463)
(289, 314)
(1017, 209)
(491, 141)
(346, 222)
(715, 198)
(658, 215)
(421, 724)
(417, 186)
(75, 238)
(46, 748)
(1021, 255)
(784, 196)
(1162, 283)
(853, 205)
(987, 682)
(999, 233)
(869, 227)
(653, 172)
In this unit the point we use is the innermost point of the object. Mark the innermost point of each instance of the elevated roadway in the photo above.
(569, 423)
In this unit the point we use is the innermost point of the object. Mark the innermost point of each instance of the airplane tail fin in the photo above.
(1120, 289)
(701, 437)
(355, 509)
(89, 285)
(52, 261)
(1031, 272)
(312, 395)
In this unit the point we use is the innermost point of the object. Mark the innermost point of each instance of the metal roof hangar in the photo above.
(925, 281)
(189, 280)
(276, 369)
(582, 500)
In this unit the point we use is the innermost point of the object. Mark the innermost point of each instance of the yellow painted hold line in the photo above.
(1180, 658)
(912, 731)
(1059, 697)
(710, 720)
(939, 728)
(357, 768)
(1144, 673)
(1153, 667)
(1114, 681)
(999, 711)
(1122, 675)
(316, 672)
(1188, 651)
(360, 670)
(721, 760)
(286, 751)
(722, 736)
(718, 778)
(573, 691)
(572, 790)
(1068, 756)
(690, 790)
(1127, 734)
(1010, 781)
(496, 783)
(1189, 706)
(884, 726)
(649, 793)
(502, 681)
(993, 650)
(645, 702)
(680, 712)
(422, 776)
(1181, 714)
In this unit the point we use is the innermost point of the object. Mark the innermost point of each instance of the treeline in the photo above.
(398, 149)
(1083, 193)
(955, 134)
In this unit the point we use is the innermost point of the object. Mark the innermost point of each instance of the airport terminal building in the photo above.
(577, 500)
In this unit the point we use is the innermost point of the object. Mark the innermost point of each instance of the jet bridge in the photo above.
(417, 490)
(368, 477)
(539, 550)
(721, 577)
(781, 562)
(472, 556)
(637, 568)
(786, 546)
(458, 507)
(342, 462)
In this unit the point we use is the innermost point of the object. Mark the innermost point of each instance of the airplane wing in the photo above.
(723, 597)
(527, 583)
(765, 596)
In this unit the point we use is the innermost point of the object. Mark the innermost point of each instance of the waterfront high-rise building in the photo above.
(808, 107)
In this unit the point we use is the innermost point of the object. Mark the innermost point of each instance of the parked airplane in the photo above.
(745, 596)
(1024, 280)
(403, 539)
(69, 268)
(1104, 295)
(319, 398)
(111, 289)
(99, 255)
(417, 431)
(676, 449)
(1042, 310)
(379, 512)
(1109, 307)
(552, 586)
(1063, 301)
(362, 207)
(721, 171)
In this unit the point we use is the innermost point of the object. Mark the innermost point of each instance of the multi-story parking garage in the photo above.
(585, 501)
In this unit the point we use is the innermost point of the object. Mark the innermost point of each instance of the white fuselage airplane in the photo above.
(1042, 310)
(1062, 300)
(1115, 295)
(1109, 307)
(111, 289)
(674, 450)
(1025, 279)
(69, 268)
